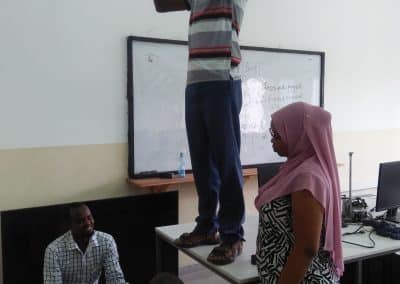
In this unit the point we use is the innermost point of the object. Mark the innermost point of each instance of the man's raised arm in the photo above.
(171, 5)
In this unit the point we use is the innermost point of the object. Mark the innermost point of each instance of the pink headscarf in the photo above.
(311, 165)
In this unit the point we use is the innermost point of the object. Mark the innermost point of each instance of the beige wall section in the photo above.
(42, 176)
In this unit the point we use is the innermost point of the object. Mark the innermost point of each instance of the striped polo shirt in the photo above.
(214, 51)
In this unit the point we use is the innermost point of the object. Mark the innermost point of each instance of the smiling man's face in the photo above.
(82, 222)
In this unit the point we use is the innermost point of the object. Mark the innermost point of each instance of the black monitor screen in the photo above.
(388, 193)
(266, 172)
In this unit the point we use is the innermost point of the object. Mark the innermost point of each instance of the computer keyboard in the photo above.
(383, 228)
(372, 223)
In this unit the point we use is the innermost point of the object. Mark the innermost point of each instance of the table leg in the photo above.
(158, 254)
(166, 256)
(359, 272)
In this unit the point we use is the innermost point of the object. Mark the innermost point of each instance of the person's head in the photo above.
(289, 127)
(165, 278)
(278, 145)
(81, 220)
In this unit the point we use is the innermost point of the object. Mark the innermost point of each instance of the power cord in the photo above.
(359, 231)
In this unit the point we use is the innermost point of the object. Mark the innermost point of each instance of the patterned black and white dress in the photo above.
(274, 241)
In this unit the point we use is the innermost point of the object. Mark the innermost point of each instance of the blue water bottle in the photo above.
(181, 166)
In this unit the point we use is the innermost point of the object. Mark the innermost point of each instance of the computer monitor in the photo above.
(267, 171)
(388, 192)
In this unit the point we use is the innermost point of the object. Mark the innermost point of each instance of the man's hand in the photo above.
(170, 5)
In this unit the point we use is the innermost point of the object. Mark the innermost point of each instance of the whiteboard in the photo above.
(271, 79)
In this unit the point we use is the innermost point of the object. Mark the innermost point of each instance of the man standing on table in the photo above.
(213, 100)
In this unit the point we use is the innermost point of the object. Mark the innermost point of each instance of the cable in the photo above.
(357, 231)
(361, 245)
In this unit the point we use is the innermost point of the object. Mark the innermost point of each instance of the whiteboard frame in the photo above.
(130, 93)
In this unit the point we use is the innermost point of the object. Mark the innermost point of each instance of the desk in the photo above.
(242, 271)
(353, 253)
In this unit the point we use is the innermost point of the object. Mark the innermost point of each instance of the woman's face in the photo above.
(277, 144)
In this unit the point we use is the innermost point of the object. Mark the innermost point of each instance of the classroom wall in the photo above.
(63, 113)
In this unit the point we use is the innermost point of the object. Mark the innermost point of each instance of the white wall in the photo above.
(63, 83)
(66, 60)
(361, 40)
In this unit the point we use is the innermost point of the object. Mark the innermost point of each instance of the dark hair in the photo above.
(74, 206)
(165, 278)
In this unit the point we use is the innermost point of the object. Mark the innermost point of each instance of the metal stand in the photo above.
(350, 187)
(347, 202)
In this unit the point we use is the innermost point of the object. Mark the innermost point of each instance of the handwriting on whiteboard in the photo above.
(261, 97)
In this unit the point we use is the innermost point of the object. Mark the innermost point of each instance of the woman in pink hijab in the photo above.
(299, 237)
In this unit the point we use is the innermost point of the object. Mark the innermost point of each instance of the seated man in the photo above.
(80, 255)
